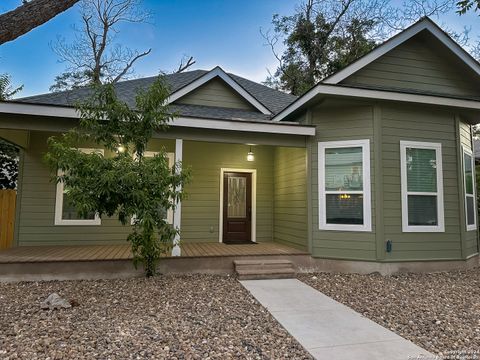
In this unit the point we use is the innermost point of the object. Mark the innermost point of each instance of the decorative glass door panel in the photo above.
(237, 207)
(237, 197)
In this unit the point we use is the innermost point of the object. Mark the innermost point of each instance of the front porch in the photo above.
(80, 262)
(38, 254)
(272, 204)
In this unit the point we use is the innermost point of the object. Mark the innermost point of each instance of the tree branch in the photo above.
(272, 42)
(28, 16)
(129, 65)
(185, 65)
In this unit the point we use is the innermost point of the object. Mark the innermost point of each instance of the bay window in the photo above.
(422, 187)
(344, 185)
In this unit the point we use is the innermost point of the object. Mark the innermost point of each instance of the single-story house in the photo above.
(372, 166)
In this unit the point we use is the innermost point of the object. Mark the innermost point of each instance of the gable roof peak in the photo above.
(423, 24)
(218, 72)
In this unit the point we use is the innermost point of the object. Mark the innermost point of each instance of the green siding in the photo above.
(335, 123)
(470, 236)
(290, 197)
(37, 205)
(216, 93)
(419, 64)
(17, 137)
(429, 125)
(385, 125)
(201, 209)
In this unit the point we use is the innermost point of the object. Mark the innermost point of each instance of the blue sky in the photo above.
(215, 32)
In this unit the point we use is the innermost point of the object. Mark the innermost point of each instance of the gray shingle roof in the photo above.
(211, 112)
(274, 100)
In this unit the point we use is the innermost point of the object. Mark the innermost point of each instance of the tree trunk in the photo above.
(24, 18)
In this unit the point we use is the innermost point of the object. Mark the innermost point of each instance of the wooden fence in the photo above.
(7, 217)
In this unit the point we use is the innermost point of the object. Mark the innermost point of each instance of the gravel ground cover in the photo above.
(439, 312)
(168, 317)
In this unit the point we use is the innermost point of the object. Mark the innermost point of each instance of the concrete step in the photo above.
(264, 269)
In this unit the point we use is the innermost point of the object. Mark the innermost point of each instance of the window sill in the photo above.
(352, 228)
(423, 229)
(95, 222)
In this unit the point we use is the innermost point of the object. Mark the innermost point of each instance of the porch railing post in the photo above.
(177, 215)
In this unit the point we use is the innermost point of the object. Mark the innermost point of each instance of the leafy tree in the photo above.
(29, 15)
(8, 165)
(466, 5)
(94, 57)
(322, 37)
(126, 184)
(6, 90)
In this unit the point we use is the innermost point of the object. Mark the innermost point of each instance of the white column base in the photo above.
(176, 251)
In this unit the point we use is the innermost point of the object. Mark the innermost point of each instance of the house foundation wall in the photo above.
(116, 269)
(388, 268)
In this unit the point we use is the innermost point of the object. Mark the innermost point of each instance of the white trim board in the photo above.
(177, 214)
(39, 110)
(232, 125)
(345, 91)
(425, 24)
(469, 227)
(254, 201)
(218, 72)
(322, 193)
(440, 227)
(199, 123)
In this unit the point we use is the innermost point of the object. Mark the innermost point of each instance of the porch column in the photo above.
(177, 215)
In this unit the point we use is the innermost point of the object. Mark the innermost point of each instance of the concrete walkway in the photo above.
(326, 328)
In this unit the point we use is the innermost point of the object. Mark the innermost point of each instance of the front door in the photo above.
(237, 207)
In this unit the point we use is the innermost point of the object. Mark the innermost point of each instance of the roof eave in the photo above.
(260, 126)
(323, 91)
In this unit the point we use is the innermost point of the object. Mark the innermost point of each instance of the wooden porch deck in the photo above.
(37, 254)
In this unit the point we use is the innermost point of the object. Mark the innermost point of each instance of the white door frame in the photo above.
(254, 201)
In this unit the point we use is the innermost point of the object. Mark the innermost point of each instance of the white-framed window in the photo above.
(344, 185)
(469, 187)
(171, 161)
(422, 187)
(65, 212)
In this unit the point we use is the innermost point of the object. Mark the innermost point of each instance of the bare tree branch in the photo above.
(94, 57)
(271, 41)
(185, 64)
(28, 16)
(129, 65)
